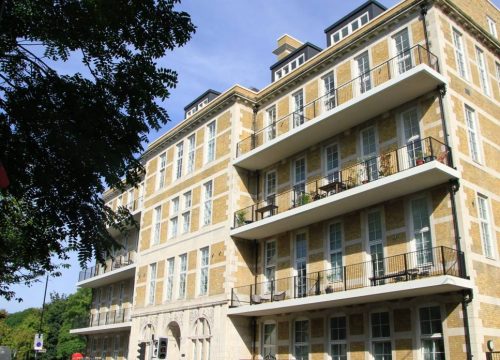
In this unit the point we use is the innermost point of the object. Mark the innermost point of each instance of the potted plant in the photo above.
(385, 165)
(304, 198)
(241, 217)
(419, 158)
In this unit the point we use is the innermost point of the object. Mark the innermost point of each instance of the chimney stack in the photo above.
(286, 44)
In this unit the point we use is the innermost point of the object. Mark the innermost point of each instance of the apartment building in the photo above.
(348, 210)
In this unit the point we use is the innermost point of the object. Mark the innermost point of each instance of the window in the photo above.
(182, 275)
(369, 154)
(298, 108)
(299, 181)
(460, 54)
(375, 242)
(484, 218)
(292, 65)
(157, 225)
(497, 66)
(332, 163)
(210, 142)
(349, 28)
(301, 340)
(191, 152)
(335, 247)
(170, 279)
(152, 283)
(161, 171)
(300, 265)
(268, 340)
(203, 271)
(130, 200)
(201, 340)
(381, 331)
(104, 348)
(174, 219)
(470, 118)
(269, 265)
(492, 27)
(329, 91)
(270, 187)
(207, 203)
(179, 155)
(119, 201)
(421, 231)
(402, 46)
(431, 331)
(338, 336)
(363, 72)
(271, 123)
(116, 347)
(186, 214)
(483, 71)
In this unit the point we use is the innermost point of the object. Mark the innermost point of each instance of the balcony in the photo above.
(405, 77)
(418, 273)
(419, 165)
(116, 269)
(115, 320)
(135, 206)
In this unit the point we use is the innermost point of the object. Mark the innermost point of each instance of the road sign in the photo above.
(42, 350)
(38, 343)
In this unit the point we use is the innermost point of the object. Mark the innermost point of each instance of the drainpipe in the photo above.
(442, 92)
(256, 257)
(467, 295)
(254, 336)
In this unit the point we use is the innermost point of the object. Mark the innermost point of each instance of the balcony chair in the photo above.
(279, 296)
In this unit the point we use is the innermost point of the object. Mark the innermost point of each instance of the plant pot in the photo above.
(364, 181)
(329, 289)
(420, 161)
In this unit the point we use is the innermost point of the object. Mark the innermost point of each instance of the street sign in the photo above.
(42, 350)
(38, 343)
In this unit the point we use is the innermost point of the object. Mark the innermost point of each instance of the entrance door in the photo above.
(300, 265)
(375, 243)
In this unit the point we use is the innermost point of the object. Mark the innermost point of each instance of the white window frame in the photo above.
(425, 255)
(483, 71)
(336, 274)
(289, 67)
(497, 69)
(374, 239)
(298, 110)
(204, 261)
(207, 203)
(487, 234)
(270, 186)
(210, 136)
(270, 263)
(269, 348)
(460, 54)
(301, 343)
(191, 140)
(152, 283)
(328, 90)
(157, 225)
(338, 340)
(364, 76)
(179, 158)
(380, 339)
(169, 283)
(332, 174)
(435, 336)
(473, 134)
(299, 182)
(492, 27)
(174, 217)
(186, 211)
(271, 117)
(182, 276)
(116, 347)
(162, 165)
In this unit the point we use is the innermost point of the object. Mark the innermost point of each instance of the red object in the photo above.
(4, 179)
(77, 356)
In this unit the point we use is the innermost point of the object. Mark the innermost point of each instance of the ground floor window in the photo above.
(301, 340)
(338, 335)
(382, 350)
(431, 331)
(201, 340)
(269, 340)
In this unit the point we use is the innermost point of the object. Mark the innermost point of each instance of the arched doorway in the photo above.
(201, 340)
(147, 333)
(174, 341)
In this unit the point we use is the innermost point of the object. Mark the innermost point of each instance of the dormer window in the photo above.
(350, 28)
(292, 65)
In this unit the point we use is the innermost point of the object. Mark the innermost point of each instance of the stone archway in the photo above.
(174, 340)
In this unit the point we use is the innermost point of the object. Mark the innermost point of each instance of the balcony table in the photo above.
(335, 186)
(271, 208)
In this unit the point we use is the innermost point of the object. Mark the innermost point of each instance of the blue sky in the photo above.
(233, 44)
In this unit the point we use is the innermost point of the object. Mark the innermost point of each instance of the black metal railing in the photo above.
(117, 262)
(410, 266)
(362, 172)
(374, 77)
(494, 355)
(100, 318)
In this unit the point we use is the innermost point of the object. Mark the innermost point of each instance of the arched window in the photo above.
(201, 340)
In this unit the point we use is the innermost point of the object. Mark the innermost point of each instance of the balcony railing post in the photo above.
(232, 297)
(432, 148)
(318, 283)
(345, 278)
(272, 290)
(251, 293)
(419, 56)
(406, 266)
(397, 160)
(389, 70)
(443, 262)
(295, 287)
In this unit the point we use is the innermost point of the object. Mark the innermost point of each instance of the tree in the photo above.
(65, 137)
